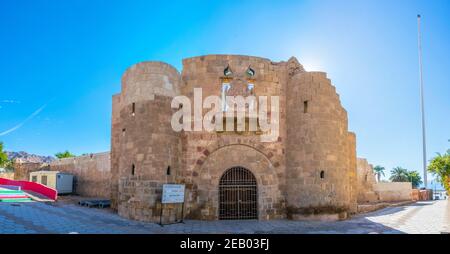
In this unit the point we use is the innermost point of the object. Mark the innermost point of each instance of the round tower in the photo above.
(319, 150)
(145, 149)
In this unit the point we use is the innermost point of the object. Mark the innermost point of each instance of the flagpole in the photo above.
(424, 146)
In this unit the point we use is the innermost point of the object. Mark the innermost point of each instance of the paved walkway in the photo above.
(423, 217)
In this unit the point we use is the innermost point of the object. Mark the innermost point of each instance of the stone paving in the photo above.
(432, 217)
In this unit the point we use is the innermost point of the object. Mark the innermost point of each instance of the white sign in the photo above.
(173, 193)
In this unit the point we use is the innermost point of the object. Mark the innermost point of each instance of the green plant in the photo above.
(440, 167)
(415, 179)
(4, 161)
(399, 174)
(379, 170)
(65, 154)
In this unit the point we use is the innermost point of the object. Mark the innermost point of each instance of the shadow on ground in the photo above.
(65, 218)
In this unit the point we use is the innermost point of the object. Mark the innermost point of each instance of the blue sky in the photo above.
(63, 60)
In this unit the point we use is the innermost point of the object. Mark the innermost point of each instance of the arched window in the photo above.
(227, 71)
(250, 72)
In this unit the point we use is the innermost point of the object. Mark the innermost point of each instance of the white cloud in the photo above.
(35, 113)
(9, 101)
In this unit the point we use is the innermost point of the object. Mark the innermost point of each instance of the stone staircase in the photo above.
(11, 196)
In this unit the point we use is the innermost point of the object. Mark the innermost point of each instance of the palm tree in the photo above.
(399, 174)
(415, 179)
(379, 170)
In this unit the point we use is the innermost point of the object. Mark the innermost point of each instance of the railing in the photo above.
(10, 187)
(31, 186)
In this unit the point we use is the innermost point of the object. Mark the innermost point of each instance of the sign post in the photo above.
(172, 194)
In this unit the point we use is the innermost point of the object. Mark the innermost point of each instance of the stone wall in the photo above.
(116, 131)
(309, 170)
(366, 181)
(352, 173)
(145, 149)
(415, 194)
(204, 193)
(207, 155)
(91, 174)
(7, 175)
(422, 195)
(394, 191)
(369, 191)
(22, 170)
(320, 150)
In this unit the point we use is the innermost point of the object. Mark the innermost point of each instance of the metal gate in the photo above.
(238, 195)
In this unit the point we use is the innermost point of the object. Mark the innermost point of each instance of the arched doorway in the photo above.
(238, 195)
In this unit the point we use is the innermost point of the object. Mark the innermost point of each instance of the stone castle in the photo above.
(309, 171)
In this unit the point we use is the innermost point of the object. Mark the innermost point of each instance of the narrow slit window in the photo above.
(322, 174)
(168, 171)
(132, 169)
(225, 88)
(251, 90)
(124, 131)
(305, 107)
(250, 87)
(133, 109)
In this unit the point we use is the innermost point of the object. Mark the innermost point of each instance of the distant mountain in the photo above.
(26, 157)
